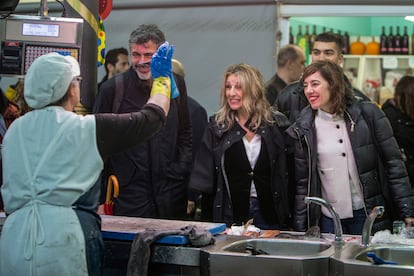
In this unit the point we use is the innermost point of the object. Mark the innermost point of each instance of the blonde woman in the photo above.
(240, 167)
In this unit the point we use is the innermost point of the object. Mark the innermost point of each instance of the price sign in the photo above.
(411, 62)
(389, 62)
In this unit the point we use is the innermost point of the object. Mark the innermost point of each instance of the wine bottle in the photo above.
(412, 42)
(397, 42)
(339, 34)
(307, 37)
(291, 38)
(390, 42)
(307, 34)
(383, 42)
(405, 42)
(299, 34)
(312, 37)
(345, 49)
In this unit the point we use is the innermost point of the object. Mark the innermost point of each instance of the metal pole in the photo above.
(43, 10)
(89, 51)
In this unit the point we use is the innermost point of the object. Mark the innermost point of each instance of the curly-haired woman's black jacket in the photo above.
(382, 172)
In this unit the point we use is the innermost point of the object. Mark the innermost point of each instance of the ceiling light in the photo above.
(409, 18)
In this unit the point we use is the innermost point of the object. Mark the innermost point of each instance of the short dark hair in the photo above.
(331, 37)
(286, 53)
(111, 56)
(145, 33)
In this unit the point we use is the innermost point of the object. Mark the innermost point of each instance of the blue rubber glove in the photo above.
(161, 66)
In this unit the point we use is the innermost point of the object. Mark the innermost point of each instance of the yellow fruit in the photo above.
(373, 47)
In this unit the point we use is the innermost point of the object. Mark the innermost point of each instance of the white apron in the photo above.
(50, 158)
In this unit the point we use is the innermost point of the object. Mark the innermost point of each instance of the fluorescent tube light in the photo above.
(409, 18)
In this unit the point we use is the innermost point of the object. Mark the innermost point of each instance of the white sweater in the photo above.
(336, 165)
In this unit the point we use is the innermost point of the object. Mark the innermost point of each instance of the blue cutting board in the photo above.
(125, 228)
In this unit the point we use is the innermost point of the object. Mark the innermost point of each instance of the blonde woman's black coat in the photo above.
(209, 176)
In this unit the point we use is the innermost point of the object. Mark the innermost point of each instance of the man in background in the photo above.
(116, 62)
(198, 114)
(290, 65)
(199, 120)
(327, 46)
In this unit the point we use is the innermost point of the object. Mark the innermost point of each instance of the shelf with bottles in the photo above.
(392, 40)
(377, 75)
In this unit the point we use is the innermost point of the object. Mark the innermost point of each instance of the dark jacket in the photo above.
(403, 127)
(199, 120)
(385, 184)
(291, 100)
(152, 174)
(273, 88)
(104, 79)
(209, 176)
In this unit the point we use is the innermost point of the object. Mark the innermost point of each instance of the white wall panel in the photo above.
(207, 40)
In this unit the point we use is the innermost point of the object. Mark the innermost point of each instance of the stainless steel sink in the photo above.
(401, 255)
(353, 260)
(279, 247)
(247, 256)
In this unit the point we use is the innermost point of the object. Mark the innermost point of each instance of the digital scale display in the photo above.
(25, 38)
(33, 29)
(34, 51)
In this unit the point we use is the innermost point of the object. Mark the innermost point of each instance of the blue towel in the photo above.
(377, 260)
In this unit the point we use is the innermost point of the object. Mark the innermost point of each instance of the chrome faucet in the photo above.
(376, 212)
(335, 216)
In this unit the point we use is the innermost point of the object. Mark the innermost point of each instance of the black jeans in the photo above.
(352, 226)
(258, 219)
(91, 227)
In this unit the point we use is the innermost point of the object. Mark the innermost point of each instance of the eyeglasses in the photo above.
(78, 79)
